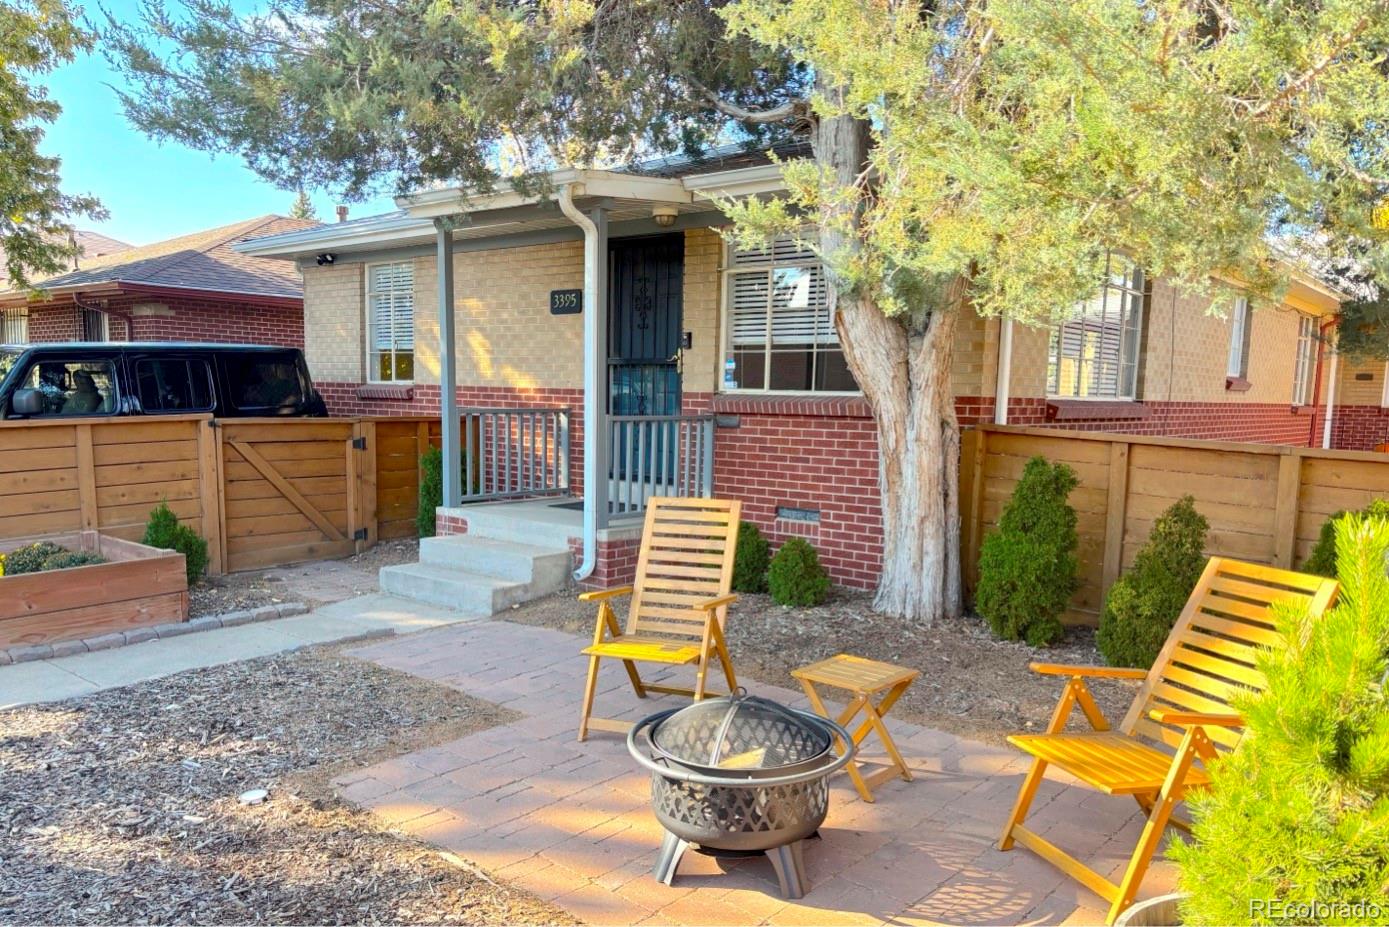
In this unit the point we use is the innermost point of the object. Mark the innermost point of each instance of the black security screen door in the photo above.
(645, 279)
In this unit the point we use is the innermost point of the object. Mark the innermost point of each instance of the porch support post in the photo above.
(448, 372)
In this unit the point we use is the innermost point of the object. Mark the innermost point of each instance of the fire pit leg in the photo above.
(789, 863)
(672, 848)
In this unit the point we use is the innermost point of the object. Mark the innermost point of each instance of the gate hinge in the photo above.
(360, 534)
(359, 443)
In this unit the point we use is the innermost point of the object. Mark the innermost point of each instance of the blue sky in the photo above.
(152, 191)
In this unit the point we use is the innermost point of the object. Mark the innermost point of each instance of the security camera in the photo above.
(325, 258)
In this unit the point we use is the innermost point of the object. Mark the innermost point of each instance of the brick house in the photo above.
(693, 327)
(191, 288)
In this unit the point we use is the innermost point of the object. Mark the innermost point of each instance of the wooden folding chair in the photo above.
(1179, 720)
(679, 602)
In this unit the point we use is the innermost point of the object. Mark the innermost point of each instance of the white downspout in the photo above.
(1004, 384)
(1330, 399)
(593, 393)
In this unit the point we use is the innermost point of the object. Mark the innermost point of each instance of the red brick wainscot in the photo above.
(1359, 428)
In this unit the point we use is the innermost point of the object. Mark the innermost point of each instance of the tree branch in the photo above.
(788, 110)
(1300, 83)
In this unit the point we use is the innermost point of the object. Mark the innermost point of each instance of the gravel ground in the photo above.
(971, 684)
(215, 595)
(123, 807)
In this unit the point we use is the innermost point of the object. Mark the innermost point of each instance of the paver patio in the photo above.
(571, 821)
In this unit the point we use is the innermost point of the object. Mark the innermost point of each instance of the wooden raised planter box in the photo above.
(137, 586)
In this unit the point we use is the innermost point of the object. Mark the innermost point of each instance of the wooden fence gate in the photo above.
(293, 490)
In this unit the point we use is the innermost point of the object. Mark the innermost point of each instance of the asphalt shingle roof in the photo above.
(200, 261)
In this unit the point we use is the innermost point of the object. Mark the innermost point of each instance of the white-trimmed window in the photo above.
(1094, 354)
(1238, 364)
(779, 335)
(14, 326)
(1305, 363)
(391, 322)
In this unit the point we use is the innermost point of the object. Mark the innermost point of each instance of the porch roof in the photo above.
(626, 195)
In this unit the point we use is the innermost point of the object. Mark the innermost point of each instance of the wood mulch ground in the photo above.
(972, 684)
(124, 806)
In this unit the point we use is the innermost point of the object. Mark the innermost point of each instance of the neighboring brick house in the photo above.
(190, 288)
(795, 441)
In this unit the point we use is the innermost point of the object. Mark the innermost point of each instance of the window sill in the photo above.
(390, 392)
(1075, 410)
(1237, 385)
(826, 405)
(1303, 410)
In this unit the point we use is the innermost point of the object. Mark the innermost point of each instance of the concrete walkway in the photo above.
(572, 822)
(67, 677)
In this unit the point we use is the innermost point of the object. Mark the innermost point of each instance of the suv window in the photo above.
(258, 382)
(173, 385)
(73, 387)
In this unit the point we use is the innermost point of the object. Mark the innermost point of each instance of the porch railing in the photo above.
(658, 455)
(512, 453)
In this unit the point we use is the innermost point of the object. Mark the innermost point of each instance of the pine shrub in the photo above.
(751, 560)
(431, 490)
(1027, 565)
(795, 576)
(164, 532)
(1142, 606)
(1322, 559)
(31, 557)
(1299, 814)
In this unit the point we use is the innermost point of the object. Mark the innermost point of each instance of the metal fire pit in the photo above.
(739, 775)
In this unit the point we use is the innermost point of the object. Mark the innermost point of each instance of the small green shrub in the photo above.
(431, 490)
(164, 532)
(795, 576)
(1142, 606)
(752, 559)
(72, 558)
(31, 557)
(1322, 559)
(1027, 566)
(1299, 814)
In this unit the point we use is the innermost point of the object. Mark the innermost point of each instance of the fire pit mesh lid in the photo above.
(740, 732)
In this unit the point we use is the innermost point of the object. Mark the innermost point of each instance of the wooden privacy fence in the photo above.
(263, 492)
(1265, 503)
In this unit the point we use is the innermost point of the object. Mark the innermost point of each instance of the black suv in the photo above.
(228, 380)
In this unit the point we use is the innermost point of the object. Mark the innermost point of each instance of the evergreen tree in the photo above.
(36, 36)
(993, 150)
(1299, 813)
(302, 207)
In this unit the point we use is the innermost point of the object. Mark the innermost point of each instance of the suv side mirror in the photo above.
(27, 402)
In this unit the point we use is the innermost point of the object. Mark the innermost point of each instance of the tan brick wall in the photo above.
(703, 285)
(1352, 391)
(974, 365)
(333, 307)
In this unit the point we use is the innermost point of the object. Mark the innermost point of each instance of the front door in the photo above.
(645, 291)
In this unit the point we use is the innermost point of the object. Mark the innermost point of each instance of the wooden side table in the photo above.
(866, 681)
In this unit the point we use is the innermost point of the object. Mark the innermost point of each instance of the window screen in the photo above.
(171, 385)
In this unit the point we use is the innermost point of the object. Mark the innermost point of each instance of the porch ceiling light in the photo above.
(664, 215)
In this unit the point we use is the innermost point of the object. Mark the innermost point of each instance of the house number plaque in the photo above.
(566, 302)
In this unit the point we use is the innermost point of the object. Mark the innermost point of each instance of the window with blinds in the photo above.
(1094, 354)
(14, 326)
(780, 332)
(1305, 364)
(391, 322)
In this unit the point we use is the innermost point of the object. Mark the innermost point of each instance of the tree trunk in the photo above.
(904, 370)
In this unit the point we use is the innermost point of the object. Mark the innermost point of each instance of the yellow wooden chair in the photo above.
(1179, 720)
(679, 601)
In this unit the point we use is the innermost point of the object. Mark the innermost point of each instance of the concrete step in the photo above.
(547, 568)
(472, 593)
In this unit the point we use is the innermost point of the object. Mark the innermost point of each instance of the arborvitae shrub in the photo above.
(751, 560)
(164, 531)
(1299, 813)
(31, 557)
(1142, 606)
(1027, 565)
(795, 576)
(431, 490)
(1322, 559)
